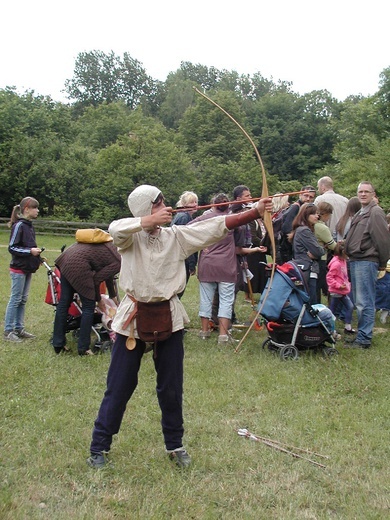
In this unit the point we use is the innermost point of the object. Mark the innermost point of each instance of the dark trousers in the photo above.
(61, 318)
(122, 380)
(322, 285)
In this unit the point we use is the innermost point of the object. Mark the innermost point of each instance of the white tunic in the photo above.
(153, 266)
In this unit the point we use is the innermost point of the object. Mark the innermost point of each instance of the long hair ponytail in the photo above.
(19, 209)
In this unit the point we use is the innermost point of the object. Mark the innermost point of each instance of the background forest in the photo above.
(122, 128)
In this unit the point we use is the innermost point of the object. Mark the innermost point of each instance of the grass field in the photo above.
(335, 406)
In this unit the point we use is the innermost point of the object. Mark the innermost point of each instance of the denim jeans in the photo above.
(345, 304)
(61, 318)
(14, 315)
(363, 278)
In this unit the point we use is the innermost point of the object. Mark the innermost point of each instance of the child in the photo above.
(25, 261)
(382, 294)
(339, 285)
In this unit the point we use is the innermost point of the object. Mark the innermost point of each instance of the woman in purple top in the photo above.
(217, 269)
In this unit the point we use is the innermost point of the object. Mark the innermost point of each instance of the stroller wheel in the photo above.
(329, 351)
(101, 347)
(106, 347)
(288, 352)
(266, 343)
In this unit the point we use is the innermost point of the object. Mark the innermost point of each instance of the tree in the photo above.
(221, 154)
(100, 77)
(383, 95)
(362, 151)
(179, 95)
(101, 126)
(294, 132)
(147, 155)
(207, 132)
(35, 133)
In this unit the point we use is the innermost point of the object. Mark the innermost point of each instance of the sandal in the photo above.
(87, 353)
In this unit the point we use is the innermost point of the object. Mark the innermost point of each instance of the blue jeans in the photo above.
(14, 315)
(61, 318)
(342, 304)
(363, 278)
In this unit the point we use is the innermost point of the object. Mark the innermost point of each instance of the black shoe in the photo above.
(357, 344)
(180, 458)
(349, 331)
(98, 460)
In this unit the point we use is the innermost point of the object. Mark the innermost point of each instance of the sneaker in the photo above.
(23, 334)
(98, 460)
(224, 339)
(357, 344)
(336, 336)
(383, 316)
(349, 331)
(180, 457)
(12, 336)
(204, 335)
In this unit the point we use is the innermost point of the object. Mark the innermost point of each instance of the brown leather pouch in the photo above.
(154, 321)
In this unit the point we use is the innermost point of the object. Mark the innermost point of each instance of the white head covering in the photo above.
(141, 199)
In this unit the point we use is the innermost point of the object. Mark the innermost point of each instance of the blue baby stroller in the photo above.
(293, 325)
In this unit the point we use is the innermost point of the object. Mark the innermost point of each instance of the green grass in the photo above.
(337, 407)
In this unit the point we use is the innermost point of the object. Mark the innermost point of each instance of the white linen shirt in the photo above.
(153, 266)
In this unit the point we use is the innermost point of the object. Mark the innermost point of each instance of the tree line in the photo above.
(122, 128)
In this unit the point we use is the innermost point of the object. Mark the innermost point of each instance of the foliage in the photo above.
(147, 155)
(34, 136)
(362, 150)
(337, 407)
(207, 132)
(100, 77)
(179, 96)
(101, 126)
(294, 132)
(81, 159)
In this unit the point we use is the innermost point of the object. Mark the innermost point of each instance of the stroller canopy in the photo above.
(287, 295)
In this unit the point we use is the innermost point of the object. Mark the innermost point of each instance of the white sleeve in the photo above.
(122, 231)
(199, 235)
